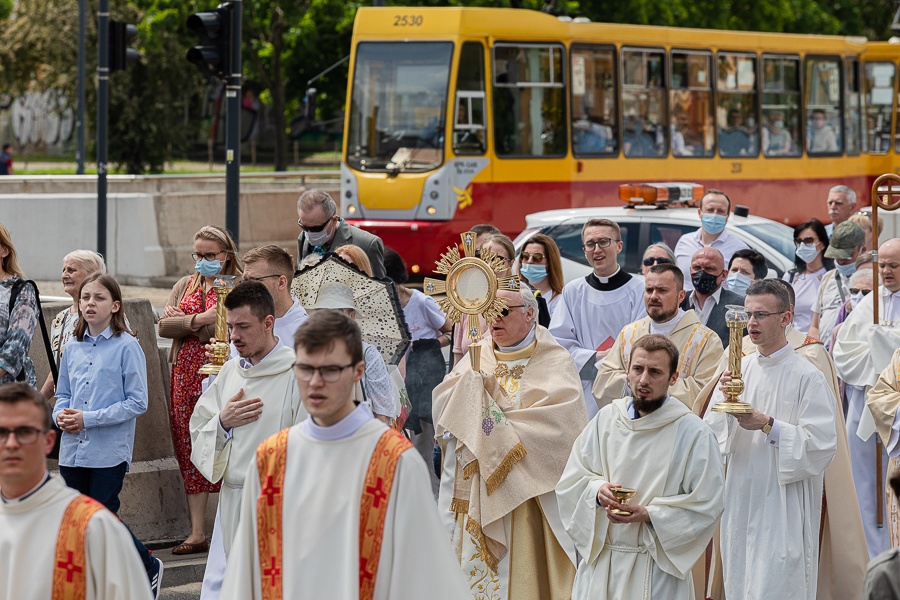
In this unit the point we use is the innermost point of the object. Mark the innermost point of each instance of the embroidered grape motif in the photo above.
(488, 425)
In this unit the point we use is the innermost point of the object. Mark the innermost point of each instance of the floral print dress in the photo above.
(186, 389)
(17, 325)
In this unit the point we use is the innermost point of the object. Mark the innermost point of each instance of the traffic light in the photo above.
(213, 56)
(119, 52)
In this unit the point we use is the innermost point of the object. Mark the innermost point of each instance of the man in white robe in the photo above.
(884, 400)
(508, 430)
(319, 484)
(699, 348)
(776, 456)
(251, 398)
(650, 552)
(862, 350)
(592, 311)
(95, 557)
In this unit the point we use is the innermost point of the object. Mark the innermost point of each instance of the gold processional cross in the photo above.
(471, 287)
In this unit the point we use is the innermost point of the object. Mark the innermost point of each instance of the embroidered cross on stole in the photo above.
(271, 459)
(69, 562)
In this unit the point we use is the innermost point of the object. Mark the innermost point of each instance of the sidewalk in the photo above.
(182, 575)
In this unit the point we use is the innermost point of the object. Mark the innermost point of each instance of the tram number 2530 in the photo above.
(408, 20)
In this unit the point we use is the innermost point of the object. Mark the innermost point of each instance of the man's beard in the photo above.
(647, 405)
(661, 315)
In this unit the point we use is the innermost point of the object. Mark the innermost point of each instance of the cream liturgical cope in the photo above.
(590, 315)
(699, 352)
(509, 430)
(842, 552)
(220, 456)
(884, 400)
(28, 538)
(769, 534)
(325, 472)
(684, 500)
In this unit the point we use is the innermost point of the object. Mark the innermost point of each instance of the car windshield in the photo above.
(779, 237)
(397, 107)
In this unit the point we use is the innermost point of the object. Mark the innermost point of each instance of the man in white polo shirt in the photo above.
(715, 207)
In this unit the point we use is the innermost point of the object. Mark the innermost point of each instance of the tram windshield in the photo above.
(398, 106)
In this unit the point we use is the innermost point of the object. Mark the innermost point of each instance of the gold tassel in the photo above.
(474, 529)
(470, 469)
(499, 476)
(459, 506)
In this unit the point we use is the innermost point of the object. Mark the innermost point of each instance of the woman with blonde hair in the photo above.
(18, 319)
(356, 256)
(189, 319)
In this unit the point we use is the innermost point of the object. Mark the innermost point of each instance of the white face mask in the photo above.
(856, 298)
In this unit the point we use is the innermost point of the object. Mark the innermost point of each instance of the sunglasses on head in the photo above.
(855, 291)
(656, 260)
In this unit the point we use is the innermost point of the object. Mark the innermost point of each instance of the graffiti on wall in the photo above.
(41, 118)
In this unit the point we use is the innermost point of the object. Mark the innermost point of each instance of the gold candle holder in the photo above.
(223, 286)
(736, 318)
(622, 495)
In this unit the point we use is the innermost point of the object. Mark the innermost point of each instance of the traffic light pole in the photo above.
(79, 136)
(102, 116)
(233, 130)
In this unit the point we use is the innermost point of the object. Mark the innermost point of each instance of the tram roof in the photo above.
(498, 24)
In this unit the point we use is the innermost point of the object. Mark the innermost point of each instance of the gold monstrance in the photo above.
(223, 284)
(736, 318)
(471, 287)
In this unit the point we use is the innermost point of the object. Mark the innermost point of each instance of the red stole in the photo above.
(271, 461)
(69, 562)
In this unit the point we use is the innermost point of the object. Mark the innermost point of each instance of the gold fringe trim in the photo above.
(474, 529)
(499, 476)
(470, 469)
(459, 506)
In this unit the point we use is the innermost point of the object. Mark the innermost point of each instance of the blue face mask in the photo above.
(533, 273)
(737, 283)
(806, 252)
(713, 224)
(208, 268)
(846, 270)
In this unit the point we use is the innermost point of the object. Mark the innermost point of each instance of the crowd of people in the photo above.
(590, 452)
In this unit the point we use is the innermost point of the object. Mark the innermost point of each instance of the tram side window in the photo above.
(879, 106)
(852, 107)
(781, 106)
(690, 105)
(595, 123)
(529, 100)
(823, 106)
(469, 122)
(737, 105)
(643, 103)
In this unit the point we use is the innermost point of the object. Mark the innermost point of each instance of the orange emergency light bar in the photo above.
(659, 194)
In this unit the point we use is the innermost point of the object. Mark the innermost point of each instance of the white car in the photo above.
(644, 226)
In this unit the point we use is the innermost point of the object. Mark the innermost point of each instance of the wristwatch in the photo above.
(767, 428)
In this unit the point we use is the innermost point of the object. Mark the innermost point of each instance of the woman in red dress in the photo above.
(189, 320)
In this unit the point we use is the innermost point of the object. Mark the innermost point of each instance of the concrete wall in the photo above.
(153, 500)
(150, 229)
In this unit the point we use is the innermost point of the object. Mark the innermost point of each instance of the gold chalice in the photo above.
(736, 319)
(622, 495)
(223, 286)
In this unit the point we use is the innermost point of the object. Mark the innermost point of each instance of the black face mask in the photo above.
(704, 282)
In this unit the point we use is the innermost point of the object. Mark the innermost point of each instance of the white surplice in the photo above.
(862, 350)
(684, 500)
(221, 455)
(586, 317)
(28, 533)
(773, 491)
(324, 477)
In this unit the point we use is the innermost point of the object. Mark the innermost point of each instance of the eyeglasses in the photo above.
(806, 240)
(759, 315)
(313, 228)
(328, 373)
(505, 311)
(855, 291)
(260, 278)
(538, 256)
(24, 435)
(207, 256)
(602, 242)
(654, 260)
